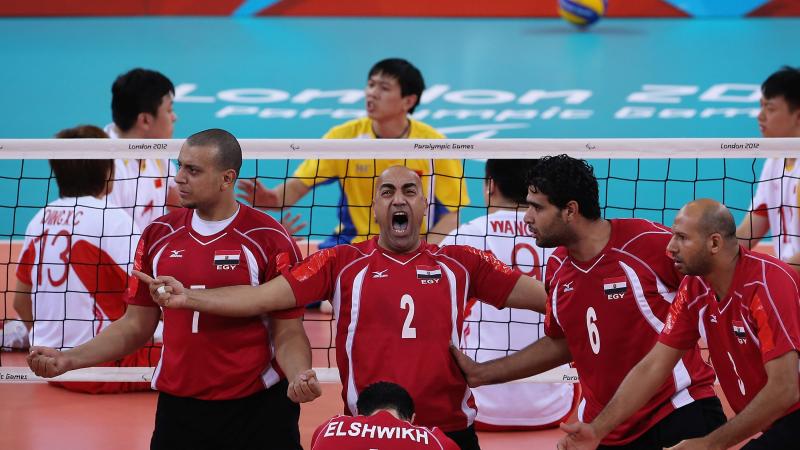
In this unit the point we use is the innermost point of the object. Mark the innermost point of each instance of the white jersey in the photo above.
(76, 256)
(140, 185)
(490, 333)
(777, 193)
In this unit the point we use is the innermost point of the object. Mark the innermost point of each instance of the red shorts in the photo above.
(146, 356)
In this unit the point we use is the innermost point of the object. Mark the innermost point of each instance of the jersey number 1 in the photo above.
(407, 302)
(196, 315)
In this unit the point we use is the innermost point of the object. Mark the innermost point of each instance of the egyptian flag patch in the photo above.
(739, 331)
(429, 273)
(227, 259)
(615, 287)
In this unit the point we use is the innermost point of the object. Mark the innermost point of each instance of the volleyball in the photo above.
(582, 13)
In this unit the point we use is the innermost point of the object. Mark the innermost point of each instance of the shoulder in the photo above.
(423, 130)
(769, 268)
(350, 129)
(628, 232)
(166, 224)
(261, 226)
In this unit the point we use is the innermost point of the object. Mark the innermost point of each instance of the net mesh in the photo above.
(649, 179)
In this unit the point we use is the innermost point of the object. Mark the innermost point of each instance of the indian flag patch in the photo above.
(615, 287)
(227, 259)
(429, 273)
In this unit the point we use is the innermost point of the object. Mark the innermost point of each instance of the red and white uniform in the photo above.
(76, 256)
(491, 333)
(611, 311)
(140, 185)
(397, 315)
(777, 198)
(379, 431)
(207, 356)
(757, 321)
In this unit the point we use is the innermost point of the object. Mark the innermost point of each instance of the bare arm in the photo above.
(230, 301)
(443, 227)
(752, 229)
(22, 303)
(293, 353)
(528, 293)
(541, 356)
(780, 392)
(122, 337)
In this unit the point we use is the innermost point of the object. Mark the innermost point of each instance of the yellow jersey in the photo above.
(442, 180)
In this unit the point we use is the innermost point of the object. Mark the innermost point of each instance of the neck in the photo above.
(721, 275)
(395, 128)
(591, 239)
(133, 133)
(383, 243)
(502, 204)
(219, 211)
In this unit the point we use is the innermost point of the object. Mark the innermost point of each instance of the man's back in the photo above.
(380, 431)
(75, 257)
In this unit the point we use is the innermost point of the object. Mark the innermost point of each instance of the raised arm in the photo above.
(231, 301)
(528, 293)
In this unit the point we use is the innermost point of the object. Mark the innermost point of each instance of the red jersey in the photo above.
(397, 315)
(379, 431)
(611, 310)
(207, 356)
(758, 321)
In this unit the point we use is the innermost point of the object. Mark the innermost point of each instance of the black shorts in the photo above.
(696, 419)
(263, 421)
(783, 434)
(466, 439)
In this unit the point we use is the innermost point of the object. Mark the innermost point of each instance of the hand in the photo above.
(580, 436)
(289, 222)
(468, 367)
(48, 362)
(304, 388)
(166, 291)
(694, 444)
(254, 193)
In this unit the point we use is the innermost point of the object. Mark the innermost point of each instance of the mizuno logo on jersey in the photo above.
(429, 274)
(615, 287)
(227, 259)
(380, 274)
(568, 286)
(739, 332)
(176, 253)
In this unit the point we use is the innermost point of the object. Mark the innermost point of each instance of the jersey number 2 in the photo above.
(407, 302)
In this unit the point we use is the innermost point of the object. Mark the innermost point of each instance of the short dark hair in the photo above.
(785, 82)
(408, 76)
(384, 395)
(229, 152)
(82, 177)
(135, 92)
(510, 177)
(563, 179)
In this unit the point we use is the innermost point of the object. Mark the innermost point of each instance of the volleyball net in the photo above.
(643, 178)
